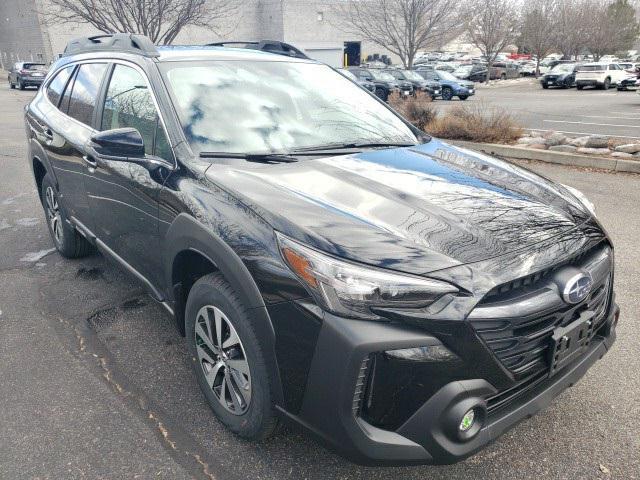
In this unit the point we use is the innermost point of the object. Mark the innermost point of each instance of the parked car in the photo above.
(473, 73)
(504, 70)
(405, 300)
(632, 82)
(26, 74)
(528, 69)
(385, 84)
(419, 84)
(563, 75)
(599, 75)
(450, 85)
(367, 85)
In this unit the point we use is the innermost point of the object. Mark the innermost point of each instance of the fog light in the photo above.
(468, 420)
(432, 353)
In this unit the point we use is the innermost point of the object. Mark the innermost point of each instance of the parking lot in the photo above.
(585, 112)
(95, 382)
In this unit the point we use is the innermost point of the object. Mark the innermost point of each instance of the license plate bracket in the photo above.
(568, 343)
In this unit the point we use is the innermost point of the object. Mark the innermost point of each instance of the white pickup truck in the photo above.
(599, 75)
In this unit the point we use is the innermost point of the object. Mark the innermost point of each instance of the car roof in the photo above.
(197, 52)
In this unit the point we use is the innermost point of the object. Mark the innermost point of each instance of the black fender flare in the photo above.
(186, 233)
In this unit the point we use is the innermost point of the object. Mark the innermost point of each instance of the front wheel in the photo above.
(606, 84)
(447, 93)
(66, 239)
(463, 97)
(228, 360)
(545, 86)
(382, 94)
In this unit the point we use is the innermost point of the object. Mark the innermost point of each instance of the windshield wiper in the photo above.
(354, 145)
(252, 157)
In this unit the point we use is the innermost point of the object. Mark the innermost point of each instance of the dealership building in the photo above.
(27, 33)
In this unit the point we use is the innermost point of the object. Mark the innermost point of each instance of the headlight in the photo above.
(352, 290)
(582, 199)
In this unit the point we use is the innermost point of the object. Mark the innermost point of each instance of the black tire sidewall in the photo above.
(255, 422)
(447, 93)
(68, 247)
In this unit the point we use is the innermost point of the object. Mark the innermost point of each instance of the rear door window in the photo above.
(84, 94)
(56, 86)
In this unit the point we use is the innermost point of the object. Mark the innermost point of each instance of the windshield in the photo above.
(266, 107)
(464, 69)
(349, 75)
(34, 66)
(563, 67)
(447, 76)
(384, 76)
(411, 75)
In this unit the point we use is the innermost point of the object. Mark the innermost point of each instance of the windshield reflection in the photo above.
(276, 106)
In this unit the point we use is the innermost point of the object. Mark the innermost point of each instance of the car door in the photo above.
(123, 192)
(73, 93)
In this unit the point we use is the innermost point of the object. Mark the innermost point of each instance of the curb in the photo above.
(562, 158)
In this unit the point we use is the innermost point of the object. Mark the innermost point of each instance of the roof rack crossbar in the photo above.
(112, 42)
(270, 46)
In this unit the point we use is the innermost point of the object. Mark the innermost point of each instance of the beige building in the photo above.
(28, 34)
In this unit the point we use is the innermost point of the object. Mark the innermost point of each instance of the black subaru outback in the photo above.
(405, 300)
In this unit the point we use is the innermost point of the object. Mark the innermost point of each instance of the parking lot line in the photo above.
(591, 123)
(613, 118)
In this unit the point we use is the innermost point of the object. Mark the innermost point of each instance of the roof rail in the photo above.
(271, 46)
(112, 42)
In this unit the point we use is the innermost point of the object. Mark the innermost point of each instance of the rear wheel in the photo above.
(20, 84)
(67, 240)
(579, 87)
(227, 358)
(382, 93)
(606, 84)
(463, 97)
(545, 86)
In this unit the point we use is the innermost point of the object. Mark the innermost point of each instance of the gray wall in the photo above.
(308, 24)
(21, 36)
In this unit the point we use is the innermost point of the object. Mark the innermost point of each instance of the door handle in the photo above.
(89, 160)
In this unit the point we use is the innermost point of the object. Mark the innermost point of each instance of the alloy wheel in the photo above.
(223, 359)
(53, 215)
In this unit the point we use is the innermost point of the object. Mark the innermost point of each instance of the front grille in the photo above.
(517, 321)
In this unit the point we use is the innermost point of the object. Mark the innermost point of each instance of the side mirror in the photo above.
(119, 142)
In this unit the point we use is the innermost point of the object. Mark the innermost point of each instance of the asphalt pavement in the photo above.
(585, 112)
(96, 383)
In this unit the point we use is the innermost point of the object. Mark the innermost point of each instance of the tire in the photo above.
(447, 93)
(545, 86)
(252, 415)
(606, 84)
(381, 93)
(20, 84)
(463, 97)
(579, 87)
(66, 239)
(503, 76)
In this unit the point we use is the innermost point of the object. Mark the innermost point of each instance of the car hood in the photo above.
(416, 209)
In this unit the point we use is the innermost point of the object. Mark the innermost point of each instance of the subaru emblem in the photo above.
(577, 288)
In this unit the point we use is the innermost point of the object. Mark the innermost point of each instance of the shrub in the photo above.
(419, 110)
(473, 121)
(476, 122)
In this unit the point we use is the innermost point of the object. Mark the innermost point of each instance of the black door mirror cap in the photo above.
(119, 143)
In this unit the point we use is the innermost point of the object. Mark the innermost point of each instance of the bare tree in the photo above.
(611, 28)
(570, 36)
(160, 20)
(492, 26)
(402, 26)
(538, 28)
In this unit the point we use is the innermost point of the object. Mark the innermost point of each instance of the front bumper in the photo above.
(329, 407)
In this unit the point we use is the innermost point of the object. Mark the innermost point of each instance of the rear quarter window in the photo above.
(84, 95)
(57, 84)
